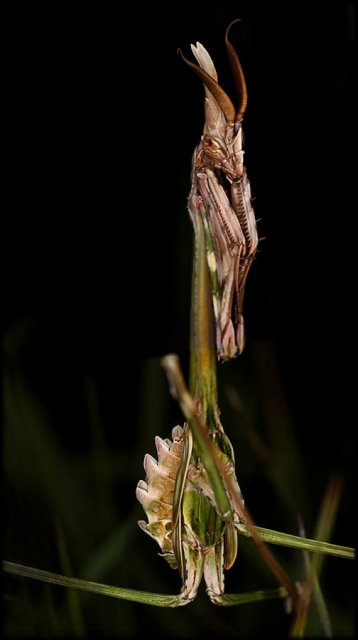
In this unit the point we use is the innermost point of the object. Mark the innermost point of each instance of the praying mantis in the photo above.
(191, 495)
(221, 195)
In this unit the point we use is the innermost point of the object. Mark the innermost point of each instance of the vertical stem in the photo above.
(202, 382)
(203, 385)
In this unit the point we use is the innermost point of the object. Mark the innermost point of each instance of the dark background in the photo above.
(102, 122)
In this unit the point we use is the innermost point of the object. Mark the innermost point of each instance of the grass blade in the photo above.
(233, 599)
(154, 599)
(296, 542)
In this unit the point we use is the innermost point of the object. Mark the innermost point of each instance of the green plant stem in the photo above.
(233, 599)
(153, 599)
(204, 445)
(202, 379)
(296, 542)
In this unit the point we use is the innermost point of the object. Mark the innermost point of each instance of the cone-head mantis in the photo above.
(221, 190)
(183, 518)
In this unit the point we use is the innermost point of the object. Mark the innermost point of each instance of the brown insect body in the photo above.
(220, 179)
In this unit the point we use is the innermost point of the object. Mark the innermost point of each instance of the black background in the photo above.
(103, 118)
(103, 121)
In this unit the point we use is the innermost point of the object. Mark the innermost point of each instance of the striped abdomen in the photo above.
(156, 493)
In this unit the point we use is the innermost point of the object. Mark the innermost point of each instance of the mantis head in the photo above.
(222, 136)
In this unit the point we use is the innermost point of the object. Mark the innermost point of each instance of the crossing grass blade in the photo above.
(152, 599)
(296, 542)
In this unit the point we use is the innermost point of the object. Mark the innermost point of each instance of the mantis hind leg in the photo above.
(194, 565)
(214, 572)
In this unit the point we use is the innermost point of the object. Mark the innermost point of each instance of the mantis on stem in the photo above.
(191, 495)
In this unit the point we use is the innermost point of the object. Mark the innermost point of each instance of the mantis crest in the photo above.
(190, 515)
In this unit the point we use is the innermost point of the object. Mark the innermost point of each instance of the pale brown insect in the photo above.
(220, 183)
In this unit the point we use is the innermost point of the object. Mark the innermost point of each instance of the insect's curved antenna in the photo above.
(219, 94)
(238, 73)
